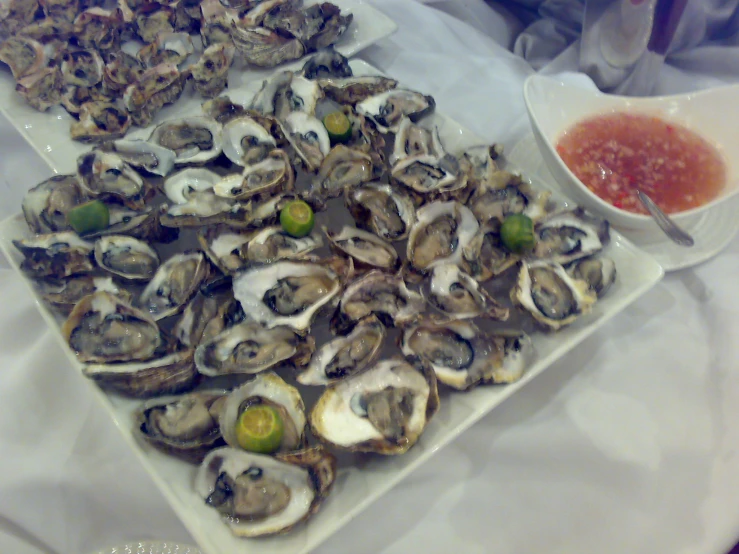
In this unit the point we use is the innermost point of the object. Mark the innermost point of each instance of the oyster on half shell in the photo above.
(458, 296)
(385, 210)
(46, 205)
(569, 236)
(55, 255)
(126, 257)
(366, 248)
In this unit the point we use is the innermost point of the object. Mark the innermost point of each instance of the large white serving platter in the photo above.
(369, 477)
(48, 132)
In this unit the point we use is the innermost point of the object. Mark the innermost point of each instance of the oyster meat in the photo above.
(105, 174)
(388, 109)
(308, 137)
(326, 63)
(385, 409)
(413, 140)
(352, 90)
(46, 205)
(485, 256)
(385, 210)
(272, 175)
(366, 249)
(246, 142)
(568, 236)
(504, 194)
(342, 168)
(458, 296)
(463, 356)
(273, 243)
(141, 154)
(126, 257)
(194, 140)
(599, 272)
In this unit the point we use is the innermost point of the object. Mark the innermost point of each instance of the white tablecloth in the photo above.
(628, 445)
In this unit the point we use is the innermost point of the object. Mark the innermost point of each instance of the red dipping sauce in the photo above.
(611, 153)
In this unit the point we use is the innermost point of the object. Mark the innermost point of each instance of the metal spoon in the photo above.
(665, 223)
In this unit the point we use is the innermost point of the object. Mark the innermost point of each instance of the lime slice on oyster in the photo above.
(89, 217)
(297, 218)
(338, 126)
(517, 233)
(259, 429)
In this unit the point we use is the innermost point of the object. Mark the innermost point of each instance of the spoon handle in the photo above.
(665, 223)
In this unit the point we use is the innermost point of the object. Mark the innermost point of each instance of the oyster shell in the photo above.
(82, 68)
(24, 55)
(260, 495)
(284, 93)
(571, 235)
(352, 90)
(174, 284)
(388, 109)
(100, 122)
(225, 247)
(384, 409)
(205, 208)
(326, 63)
(121, 69)
(143, 225)
(103, 174)
(440, 234)
(142, 154)
(286, 293)
(342, 168)
(195, 139)
(186, 184)
(383, 294)
(504, 194)
(366, 249)
(385, 210)
(126, 257)
(554, 298)
(480, 164)
(248, 348)
(344, 357)
(103, 328)
(223, 110)
(412, 141)
(46, 205)
(485, 256)
(199, 311)
(98, 28)
(210, 73)
(427, 175)
(185, 426)
(272, 175)
(55, 255)
(266, 389)
(463, 356)
(173, 48)
(308, 137)
(41, 89)
(273, 243)
(63, 294)
(246, 142)
(598, 271)
(458, 296)
(155, 88)
(153, 19)
(167, 374)
(264, 47)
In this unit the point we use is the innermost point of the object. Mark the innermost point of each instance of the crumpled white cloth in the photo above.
(627, 445)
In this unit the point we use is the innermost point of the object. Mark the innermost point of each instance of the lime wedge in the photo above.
(297, 218)
(89, 217)
(517, 233)
(260, 429)
(338, 126)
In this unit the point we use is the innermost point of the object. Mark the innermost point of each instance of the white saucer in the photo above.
(151, 547)
(712, 232)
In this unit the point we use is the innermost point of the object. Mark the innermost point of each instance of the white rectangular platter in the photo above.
(359, 485)
(48, 132)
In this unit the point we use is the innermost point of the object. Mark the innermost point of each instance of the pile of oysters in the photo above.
(114, 66)
(196, 301)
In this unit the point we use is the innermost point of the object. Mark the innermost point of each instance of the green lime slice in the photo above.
(259, 429)
(338, 126)
(89, 217)
(517, 233)
(297, 218)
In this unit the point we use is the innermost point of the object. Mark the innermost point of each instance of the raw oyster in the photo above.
(102, 328)
(284, 93)
(427, 174)
(485, 256)
(174, 284)
(413, 140)
(167, 374)
(126, 257)
(185, 426)
(153, 19)
(388, 109)
(505, 194)
(169, 47)
(100, 122)
(326, 63)
(377, 292)
(441, 232)
(569, 236)
(121, 69)
(458, 296)
(554, 298)
(155, 88)
(63, 294)
(143, 225)
(142, 154)
(55, 255)
(210, 73)
(385, 210)
(41, 89)
(344, 357)
(463, 356)
(199, 311)
(223, 110)
(246, 142)
(286, 293)
(272, 175)
(480, 165)
(342, 168)
(308, 137)
(104, 174)
(384, 409)
(264, 47)
(260, 495)
(195, 139)
(82, 68)
(226, 247)
(46, 205)
(187, 183)
(366, 249)
(205, 208)
(248, 348)
(316, 26)
(270, 390)
(598, 271)
(24, 55)
(273, 243)
(351, 90)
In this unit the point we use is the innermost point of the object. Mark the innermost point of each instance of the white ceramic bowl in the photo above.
(554, 106)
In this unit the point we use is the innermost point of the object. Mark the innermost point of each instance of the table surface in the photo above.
(628, 444)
